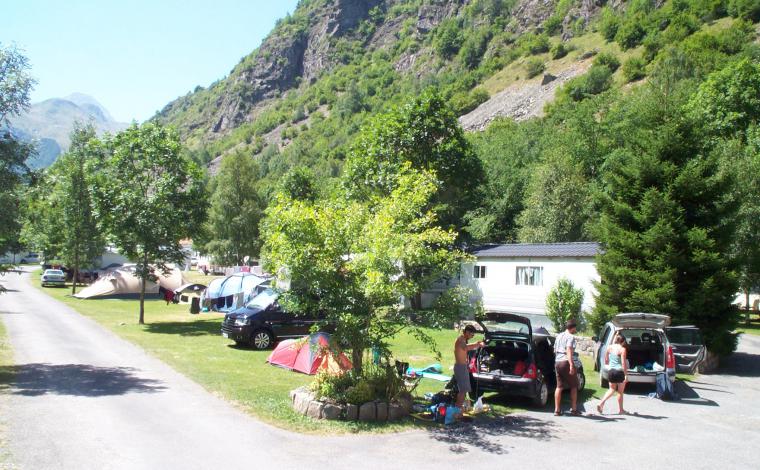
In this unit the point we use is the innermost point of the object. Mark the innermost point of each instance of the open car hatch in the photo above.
(506, 324)
(641, 320)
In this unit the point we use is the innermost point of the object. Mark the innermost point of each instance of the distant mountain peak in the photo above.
(49, 123)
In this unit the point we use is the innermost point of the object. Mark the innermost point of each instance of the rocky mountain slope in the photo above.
(50, 122)
(304, 93)
(323, 35)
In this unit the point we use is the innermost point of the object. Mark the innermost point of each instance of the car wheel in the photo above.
(262, 339)
(581, 380)
(542, 398)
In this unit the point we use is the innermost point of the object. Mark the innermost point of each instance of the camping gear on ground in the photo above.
(664, 387)
(195, 305)
(309, 355)
(433, 371)
(122, 282)
(221, 293)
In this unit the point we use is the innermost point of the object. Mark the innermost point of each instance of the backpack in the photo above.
(665, 390)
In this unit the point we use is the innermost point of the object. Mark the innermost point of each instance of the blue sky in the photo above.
(134, 56)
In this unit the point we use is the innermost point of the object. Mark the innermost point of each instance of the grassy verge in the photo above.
(6, 375)
(193, 346)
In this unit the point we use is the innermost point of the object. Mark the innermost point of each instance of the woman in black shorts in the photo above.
(616, 356)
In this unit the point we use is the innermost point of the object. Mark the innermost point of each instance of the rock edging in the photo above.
(305, 403)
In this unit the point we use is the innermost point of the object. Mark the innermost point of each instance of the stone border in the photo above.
(305, 404)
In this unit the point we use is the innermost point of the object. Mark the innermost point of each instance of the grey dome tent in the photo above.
(230, 292)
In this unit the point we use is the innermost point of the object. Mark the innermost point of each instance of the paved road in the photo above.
(85, 399)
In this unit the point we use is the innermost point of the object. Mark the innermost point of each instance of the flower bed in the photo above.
(305, 403)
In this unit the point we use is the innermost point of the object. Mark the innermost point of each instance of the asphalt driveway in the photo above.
(83, 398)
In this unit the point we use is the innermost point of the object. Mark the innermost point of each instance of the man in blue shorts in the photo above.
(461, 371)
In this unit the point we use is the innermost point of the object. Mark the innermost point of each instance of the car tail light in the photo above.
(473, 364)
(531, 373)
(670, 360)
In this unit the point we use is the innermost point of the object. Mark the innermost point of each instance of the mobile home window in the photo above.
(529, 276)
(479, 272)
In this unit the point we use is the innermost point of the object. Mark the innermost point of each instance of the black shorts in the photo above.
(616, 376)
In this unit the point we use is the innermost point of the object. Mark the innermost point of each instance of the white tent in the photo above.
(122, 282)
(231, 292)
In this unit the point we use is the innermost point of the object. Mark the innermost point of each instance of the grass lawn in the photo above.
(6, 375)
(193, 345)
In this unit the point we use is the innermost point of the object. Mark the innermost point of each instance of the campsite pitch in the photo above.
(192, 344)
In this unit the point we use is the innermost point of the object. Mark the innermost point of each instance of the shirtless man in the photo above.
(461, 371)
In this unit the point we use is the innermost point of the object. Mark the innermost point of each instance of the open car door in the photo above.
(688, 347)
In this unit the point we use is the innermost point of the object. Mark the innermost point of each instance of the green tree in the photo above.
(235, 212)
(149, 197)
(728, 101)
(556, 204)
(508, 150)
(564, 303)
(424, 133)
(665, 222)
(15, 87)
(83, 240)
(352, 259)
(744, 161)
(15, 82)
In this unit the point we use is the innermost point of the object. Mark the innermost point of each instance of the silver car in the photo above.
(53, 277)
(649, 350)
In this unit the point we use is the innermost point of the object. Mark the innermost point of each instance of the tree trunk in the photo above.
(746, 317)
(76, 271)
(142, 289)
(357, 354)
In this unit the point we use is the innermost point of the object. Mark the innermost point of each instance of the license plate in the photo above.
(226, 335)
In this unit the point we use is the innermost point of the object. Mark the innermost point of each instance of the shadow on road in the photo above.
(740, 364)
(211, 326)
(485, 433)
(73, 379)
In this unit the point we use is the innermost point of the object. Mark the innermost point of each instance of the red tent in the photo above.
(309, 355)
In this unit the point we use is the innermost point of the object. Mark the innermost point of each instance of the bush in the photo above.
(607, 59)
(533, 44)
(534, 66)
(608, 25)
(553, 25)
(634, 69)
(559, 50)
(360, 393)
(630, 33)
(744, 9)
(596, 80)
(564, 303)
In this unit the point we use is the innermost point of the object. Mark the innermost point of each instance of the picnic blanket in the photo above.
(433, 371)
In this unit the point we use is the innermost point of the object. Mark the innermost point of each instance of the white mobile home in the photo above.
(517, 278)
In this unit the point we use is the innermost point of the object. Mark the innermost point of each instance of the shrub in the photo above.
(360, 393)
(596, 80)
(448, 39)
(559, 50)
(534, 66)
(607, 59)
(608, 25)
(633, 69)
(463, 102)
(630, 33)
(564, 303)
(744, 9)
(533, 44)
(553, 25)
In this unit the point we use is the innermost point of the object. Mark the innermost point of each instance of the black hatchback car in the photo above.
(516, 361)
(262, 322)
